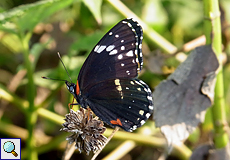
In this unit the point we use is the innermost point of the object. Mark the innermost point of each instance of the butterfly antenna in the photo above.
(54, 79)
(64, 66)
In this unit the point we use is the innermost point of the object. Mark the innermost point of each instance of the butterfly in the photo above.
(107, 82)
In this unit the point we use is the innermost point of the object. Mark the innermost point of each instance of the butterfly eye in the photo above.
(70, 87)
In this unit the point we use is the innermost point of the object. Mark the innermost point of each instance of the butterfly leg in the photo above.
(72, 104)
(88, 115)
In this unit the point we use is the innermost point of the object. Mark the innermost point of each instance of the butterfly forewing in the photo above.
(117, 55)
(128, 101)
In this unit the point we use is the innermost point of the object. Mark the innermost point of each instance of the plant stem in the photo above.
(212, 30)
(31, 115)
(181, 151)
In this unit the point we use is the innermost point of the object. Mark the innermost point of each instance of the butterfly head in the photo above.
(71, 87)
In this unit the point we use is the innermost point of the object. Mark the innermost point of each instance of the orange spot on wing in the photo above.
(77, 88)
(116, 122)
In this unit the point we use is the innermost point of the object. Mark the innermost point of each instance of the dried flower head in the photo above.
(87, 131)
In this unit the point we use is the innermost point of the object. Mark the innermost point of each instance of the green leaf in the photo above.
(11, 41)
(95, 7)
(85, 43)
(26, 17)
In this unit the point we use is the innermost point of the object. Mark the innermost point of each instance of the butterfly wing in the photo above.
(107, 80)
(117, 55)
(121, 102)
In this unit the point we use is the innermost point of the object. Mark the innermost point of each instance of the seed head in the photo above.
(86, 130)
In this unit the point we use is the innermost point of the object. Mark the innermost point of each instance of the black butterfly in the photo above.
(108, 83)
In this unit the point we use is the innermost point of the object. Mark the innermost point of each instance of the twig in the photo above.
(109, 138)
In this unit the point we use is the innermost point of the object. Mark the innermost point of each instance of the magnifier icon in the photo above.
(9, 147)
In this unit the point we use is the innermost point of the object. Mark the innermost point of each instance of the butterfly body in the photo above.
(107, 82)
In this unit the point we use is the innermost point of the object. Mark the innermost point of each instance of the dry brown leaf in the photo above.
(181, 100)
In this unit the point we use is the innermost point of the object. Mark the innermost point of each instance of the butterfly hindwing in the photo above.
(121, 102)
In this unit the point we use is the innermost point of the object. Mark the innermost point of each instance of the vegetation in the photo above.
(32, 32)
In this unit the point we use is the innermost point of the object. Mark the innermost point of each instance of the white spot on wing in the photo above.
(148, 115)
(122, 64)
(113, 52)
(149, 98)
(130, 53)
(134, 127)
(110, 48)
(116, 35)
(142, 122)
(100, 49)
(149, 90)
(141, 82)
(120, 56)
(110, 33)
(122, 41)
(151, 107)
(122, 47)
(140, 46)
(96, 48)
(138, 82)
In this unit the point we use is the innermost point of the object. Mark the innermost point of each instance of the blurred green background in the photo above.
(31, 34)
